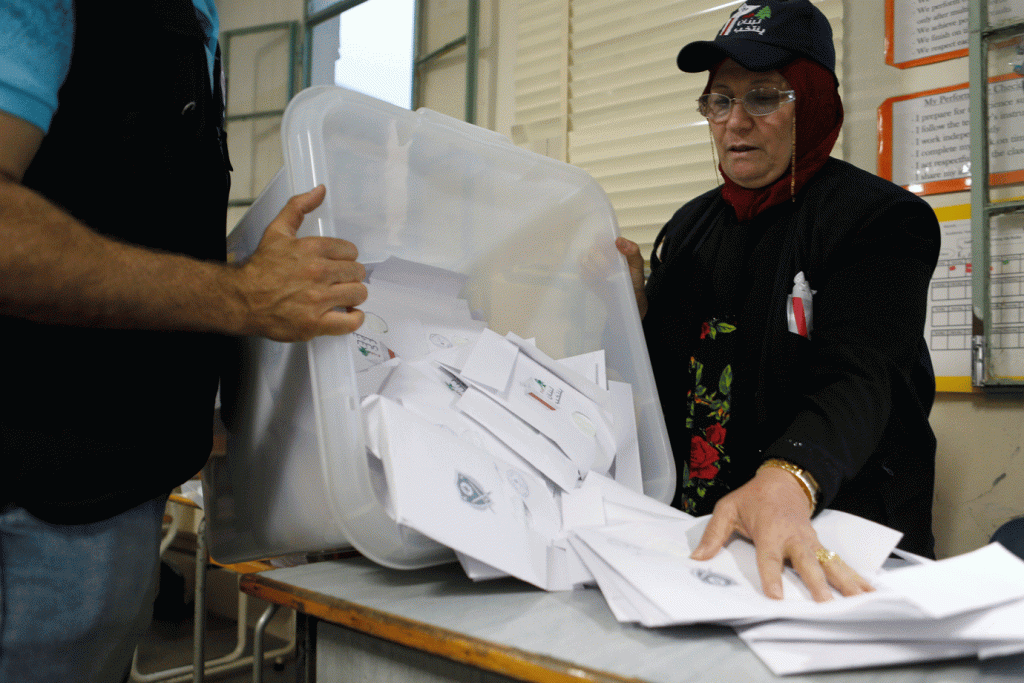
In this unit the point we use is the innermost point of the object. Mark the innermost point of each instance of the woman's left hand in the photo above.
(635, 261)
(772, 511)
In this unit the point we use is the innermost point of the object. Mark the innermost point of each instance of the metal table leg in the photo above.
(305, 669)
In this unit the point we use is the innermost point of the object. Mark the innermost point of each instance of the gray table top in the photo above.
(569, 635)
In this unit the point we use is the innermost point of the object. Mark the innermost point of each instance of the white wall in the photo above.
(980, 470)
(245, 13)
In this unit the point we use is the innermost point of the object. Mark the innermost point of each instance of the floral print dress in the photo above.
(721, 454)
(710, 403)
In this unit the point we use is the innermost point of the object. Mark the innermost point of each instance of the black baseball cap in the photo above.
(765, 36)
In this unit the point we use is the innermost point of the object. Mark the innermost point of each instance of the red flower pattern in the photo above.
(703, 457)
(710, 403)
(715, 433)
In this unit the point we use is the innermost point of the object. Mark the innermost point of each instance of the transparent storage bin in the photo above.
(534, 236)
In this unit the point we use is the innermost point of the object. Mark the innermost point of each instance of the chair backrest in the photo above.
(1011, 536)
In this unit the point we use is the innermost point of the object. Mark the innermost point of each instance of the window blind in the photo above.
(542, 77)
(597, 86)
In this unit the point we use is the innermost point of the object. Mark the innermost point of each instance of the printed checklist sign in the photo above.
(950, 308)
(925, 140)
(927, 31)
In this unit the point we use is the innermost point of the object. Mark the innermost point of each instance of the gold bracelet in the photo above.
(806, 481)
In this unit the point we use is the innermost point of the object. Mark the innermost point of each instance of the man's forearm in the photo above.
(54, 269)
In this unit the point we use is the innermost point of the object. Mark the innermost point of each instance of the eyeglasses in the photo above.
(757, 102)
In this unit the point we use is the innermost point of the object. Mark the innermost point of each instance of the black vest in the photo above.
(98, 421)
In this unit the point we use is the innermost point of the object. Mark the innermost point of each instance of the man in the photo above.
(113, 302)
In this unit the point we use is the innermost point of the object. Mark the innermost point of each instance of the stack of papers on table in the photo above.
(923, 610)
(527, 466)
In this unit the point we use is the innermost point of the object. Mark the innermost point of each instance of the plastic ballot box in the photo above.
(534, 238)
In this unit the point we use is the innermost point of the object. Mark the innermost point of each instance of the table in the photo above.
(364, 622)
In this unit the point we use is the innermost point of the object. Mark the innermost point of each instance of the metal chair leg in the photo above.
(257, 642)
(220, 666)
(199, 628)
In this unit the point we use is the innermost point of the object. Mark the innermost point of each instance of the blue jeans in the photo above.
(76, 599)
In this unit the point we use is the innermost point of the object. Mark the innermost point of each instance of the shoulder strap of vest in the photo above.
(178, 16)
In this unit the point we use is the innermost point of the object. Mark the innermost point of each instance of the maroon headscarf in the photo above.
(819, 117)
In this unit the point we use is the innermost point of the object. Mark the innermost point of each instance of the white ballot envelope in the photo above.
(460, 495)
(521, 437)
(537, 393)
(405, 324)
(428, 282)
(654, 557)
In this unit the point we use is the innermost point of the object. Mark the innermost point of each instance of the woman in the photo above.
(785, 310)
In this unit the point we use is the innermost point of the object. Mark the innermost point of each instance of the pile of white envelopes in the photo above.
(527, 466)
(487, 445)
(968, 605)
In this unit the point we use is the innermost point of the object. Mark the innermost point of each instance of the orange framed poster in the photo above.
(924, 141)
(926, 31)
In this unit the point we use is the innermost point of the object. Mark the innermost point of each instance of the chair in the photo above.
(233, 661)
(1011, 536)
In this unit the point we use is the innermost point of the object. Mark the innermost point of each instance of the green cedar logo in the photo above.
(765, 13)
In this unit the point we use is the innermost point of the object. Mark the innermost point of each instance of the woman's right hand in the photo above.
(631, 250)
(771, 511)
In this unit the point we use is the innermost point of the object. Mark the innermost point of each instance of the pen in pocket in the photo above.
(799, 307)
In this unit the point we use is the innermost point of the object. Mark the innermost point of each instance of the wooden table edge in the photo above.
(475, 652)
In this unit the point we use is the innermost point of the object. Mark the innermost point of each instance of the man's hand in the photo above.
(773, 512)
(294, 289)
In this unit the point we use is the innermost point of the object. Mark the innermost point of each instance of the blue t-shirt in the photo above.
(36, 38)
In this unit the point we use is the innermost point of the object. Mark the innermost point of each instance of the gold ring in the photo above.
(824, 555)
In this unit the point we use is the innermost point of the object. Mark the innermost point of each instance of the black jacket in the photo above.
(98, 421)
(851, 403)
